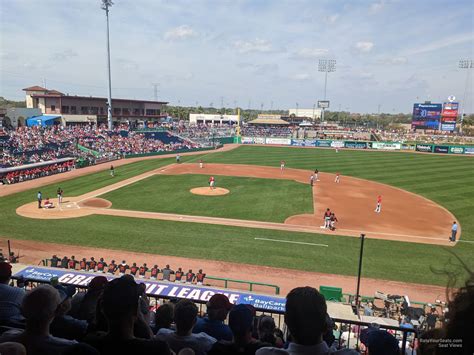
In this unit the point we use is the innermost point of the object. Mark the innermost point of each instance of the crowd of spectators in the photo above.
(202, 131)
(117, 317)
(267, 131)
(403, 136)
(16, 176)
(141, 270)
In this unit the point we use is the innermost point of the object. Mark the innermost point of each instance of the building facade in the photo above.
(90, 109)
(199, 118)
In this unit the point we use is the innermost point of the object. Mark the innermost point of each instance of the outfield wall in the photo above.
(329, 143)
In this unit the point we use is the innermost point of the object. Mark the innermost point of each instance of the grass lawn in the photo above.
(249, 198)
(448, 180)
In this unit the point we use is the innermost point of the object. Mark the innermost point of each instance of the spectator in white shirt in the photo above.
(185, 317)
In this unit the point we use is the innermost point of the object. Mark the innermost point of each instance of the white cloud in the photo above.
(180, 33)
(257, 45)
(64, 55)
(394, 61)
(376, 7)
(364, 47)
(442, 43)
(332, 19)
(310, 53)
(301, 76)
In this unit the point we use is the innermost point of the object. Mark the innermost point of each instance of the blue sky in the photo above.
(388, 53)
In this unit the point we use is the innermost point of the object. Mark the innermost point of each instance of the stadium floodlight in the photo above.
(465, 64)
(105, 6)
(326, 66)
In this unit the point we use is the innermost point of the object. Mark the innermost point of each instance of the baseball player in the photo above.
(338, 178)
(378, 209)
(178, 158)
(201, 164)
(327, 218)
(212, 183)
(316, 175)
(311, 180)
(282, 165)
(333, 220)
(60, 192)
(112, 171)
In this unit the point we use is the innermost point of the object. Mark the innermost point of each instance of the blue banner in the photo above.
(157, 288)
(323, 143)
(355, 145)
(303, 142)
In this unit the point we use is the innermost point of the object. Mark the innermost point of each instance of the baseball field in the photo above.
(151, 188)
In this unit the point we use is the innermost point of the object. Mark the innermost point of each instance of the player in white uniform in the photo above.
(282, 165)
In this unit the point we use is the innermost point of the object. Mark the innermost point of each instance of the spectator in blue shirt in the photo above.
(217, 309)
(10, 297)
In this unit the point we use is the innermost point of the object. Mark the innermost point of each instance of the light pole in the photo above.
(465, 64)
(326, 66)
(362, 238)
(105, 6)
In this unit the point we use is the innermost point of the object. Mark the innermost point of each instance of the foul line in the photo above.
(293, 242)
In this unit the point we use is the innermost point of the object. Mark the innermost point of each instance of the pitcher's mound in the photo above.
(206, 191)
(96, 203)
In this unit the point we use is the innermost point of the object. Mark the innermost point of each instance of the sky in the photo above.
(248, 53)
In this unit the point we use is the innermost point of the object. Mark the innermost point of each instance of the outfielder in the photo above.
(378, 209)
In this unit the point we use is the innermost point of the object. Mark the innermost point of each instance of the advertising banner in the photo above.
(258, 140)
(247, 140)
(456, 150)
(424, 148)
(158, 288)
(303, 142)
(441, 149)
(386, 146)
(356, 145)
(468, 150)
(337, 144)
(279, 141)
(324, 143)
(426, 116)
(448, 127)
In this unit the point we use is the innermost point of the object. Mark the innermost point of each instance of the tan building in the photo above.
(83, 109)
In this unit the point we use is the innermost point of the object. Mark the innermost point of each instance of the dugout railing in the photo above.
(222, 282)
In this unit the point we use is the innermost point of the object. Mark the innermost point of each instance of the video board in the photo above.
(426, 116)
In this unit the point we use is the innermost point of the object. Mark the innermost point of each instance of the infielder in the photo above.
(316, 175)
(60, 195)
(201, 164)
(327, 218)
(282, 165)
(378, 209)
(212, 182)
(338, 178)
(311, 180)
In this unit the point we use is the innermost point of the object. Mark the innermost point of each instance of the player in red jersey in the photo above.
(212, 182)
(338, 177)
(378, 209)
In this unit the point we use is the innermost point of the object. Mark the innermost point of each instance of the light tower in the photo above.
(468, 65)
(326, 66)
(105, 6)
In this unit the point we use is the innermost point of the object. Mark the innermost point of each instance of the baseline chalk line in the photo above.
(292, 242)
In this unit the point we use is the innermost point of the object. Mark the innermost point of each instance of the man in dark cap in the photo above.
(217, 309)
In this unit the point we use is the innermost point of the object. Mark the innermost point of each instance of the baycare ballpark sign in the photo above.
(158, 288)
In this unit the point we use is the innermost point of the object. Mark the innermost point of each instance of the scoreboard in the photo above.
(449, 116)
(426, 116)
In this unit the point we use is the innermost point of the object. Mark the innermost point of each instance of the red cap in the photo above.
(219, 301)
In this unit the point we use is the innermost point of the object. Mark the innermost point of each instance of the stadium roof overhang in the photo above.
(269, 121)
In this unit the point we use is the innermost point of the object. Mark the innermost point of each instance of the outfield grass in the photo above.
(447, 180)
(249, 198)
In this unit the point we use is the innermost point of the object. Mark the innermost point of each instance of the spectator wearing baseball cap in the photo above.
(63, 325)
(39, 308)
(218, 308)
(84, 304)
(10, 298)
(379, 342)
(305, 317)
(119, 304)
(185, 316)
(241, 319)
